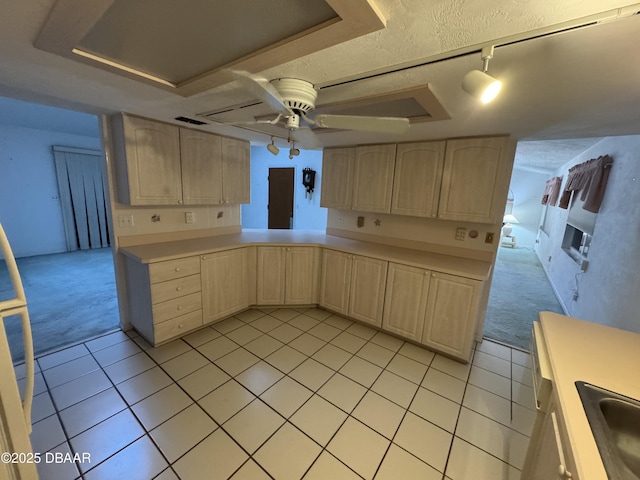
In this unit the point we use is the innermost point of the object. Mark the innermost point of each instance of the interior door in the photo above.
(281, 198)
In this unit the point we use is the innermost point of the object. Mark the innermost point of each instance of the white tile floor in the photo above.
(282, 394)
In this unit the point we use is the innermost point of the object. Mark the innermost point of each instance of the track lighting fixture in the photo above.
(478, 83)
(293, 151)
(272, 148)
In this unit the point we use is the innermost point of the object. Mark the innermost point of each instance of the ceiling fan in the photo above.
(292, 100)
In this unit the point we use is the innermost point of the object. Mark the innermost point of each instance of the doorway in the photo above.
(280, 204)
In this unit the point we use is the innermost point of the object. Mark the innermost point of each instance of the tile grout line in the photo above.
(286, 419)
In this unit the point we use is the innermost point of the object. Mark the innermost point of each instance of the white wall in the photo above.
(308, 214)
(30, 209)
(608, 290)
(527, 187)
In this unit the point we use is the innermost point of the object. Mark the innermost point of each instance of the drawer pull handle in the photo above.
(178, 289)
(177, 269)
(180, 307)
(180, 326)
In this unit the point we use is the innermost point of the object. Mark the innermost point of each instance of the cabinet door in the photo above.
(405, 300)
(224, 284)
(152, 162)
(452, 310)
(366, 298)
(236, 171)
(335, 281)
(300, 275)
(417, 179)
(270, 286)
(201, 158)
(551, 461)
(373, 178)
(337, 178)
(473, 178)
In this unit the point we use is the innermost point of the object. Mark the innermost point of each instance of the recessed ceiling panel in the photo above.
(189, 46)
(404, 107)
(178, 40)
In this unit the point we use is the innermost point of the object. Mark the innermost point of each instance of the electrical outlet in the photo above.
(461, 233)
(488, 237)
(189, 217)
(340, 219)
(360, 222)
(125, 221)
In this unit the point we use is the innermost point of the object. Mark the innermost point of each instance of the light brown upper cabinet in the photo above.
(201, 159)
(462, 180)
(236, 176)
(162, 164)
(147, 161)
(475, 180)
(358, 178)
(337, 177)
(373, 178)
(417, 179)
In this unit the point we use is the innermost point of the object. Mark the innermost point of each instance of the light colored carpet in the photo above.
(70, 296)
(519, 291)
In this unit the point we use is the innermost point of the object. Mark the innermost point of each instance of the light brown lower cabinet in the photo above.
(164, 298)
(432, 308)
(405, 301)
(548, 457)
(353, 285)
(286, 275)
(452, 314)
(225, 283)
(168, 299)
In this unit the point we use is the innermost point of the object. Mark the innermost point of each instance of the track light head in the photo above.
(481, 85)
(478, 83)
(293, 152)
(272, 148)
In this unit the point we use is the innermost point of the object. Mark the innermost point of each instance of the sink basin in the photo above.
(615, 423)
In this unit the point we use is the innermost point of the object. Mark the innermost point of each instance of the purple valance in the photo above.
(591, 177)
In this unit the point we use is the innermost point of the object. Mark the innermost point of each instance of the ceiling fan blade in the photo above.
(263, 90)
(305, 137)
(365, 124)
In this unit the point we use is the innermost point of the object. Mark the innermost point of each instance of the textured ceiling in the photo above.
(577, 85)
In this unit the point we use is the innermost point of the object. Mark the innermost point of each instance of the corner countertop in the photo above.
(157, 252)
(597, 354)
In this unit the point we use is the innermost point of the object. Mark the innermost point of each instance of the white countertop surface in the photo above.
(158, 252)
(596, 354)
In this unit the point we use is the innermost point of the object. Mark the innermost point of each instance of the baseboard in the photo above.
(553, 287)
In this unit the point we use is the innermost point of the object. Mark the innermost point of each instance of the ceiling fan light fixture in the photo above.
(272, 148)
(479, 84)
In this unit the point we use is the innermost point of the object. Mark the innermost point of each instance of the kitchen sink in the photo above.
(615, 423)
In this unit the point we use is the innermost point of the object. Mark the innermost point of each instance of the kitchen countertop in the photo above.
(157, 252)
(603, 356)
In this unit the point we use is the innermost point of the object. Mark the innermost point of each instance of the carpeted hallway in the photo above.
(71, 297)
(520, 290)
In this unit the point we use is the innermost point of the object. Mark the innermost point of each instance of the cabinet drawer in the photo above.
(177, 326)
(174, 308)
(182, 267)
(180, 287)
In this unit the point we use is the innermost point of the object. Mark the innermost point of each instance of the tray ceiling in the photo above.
(188, 46)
